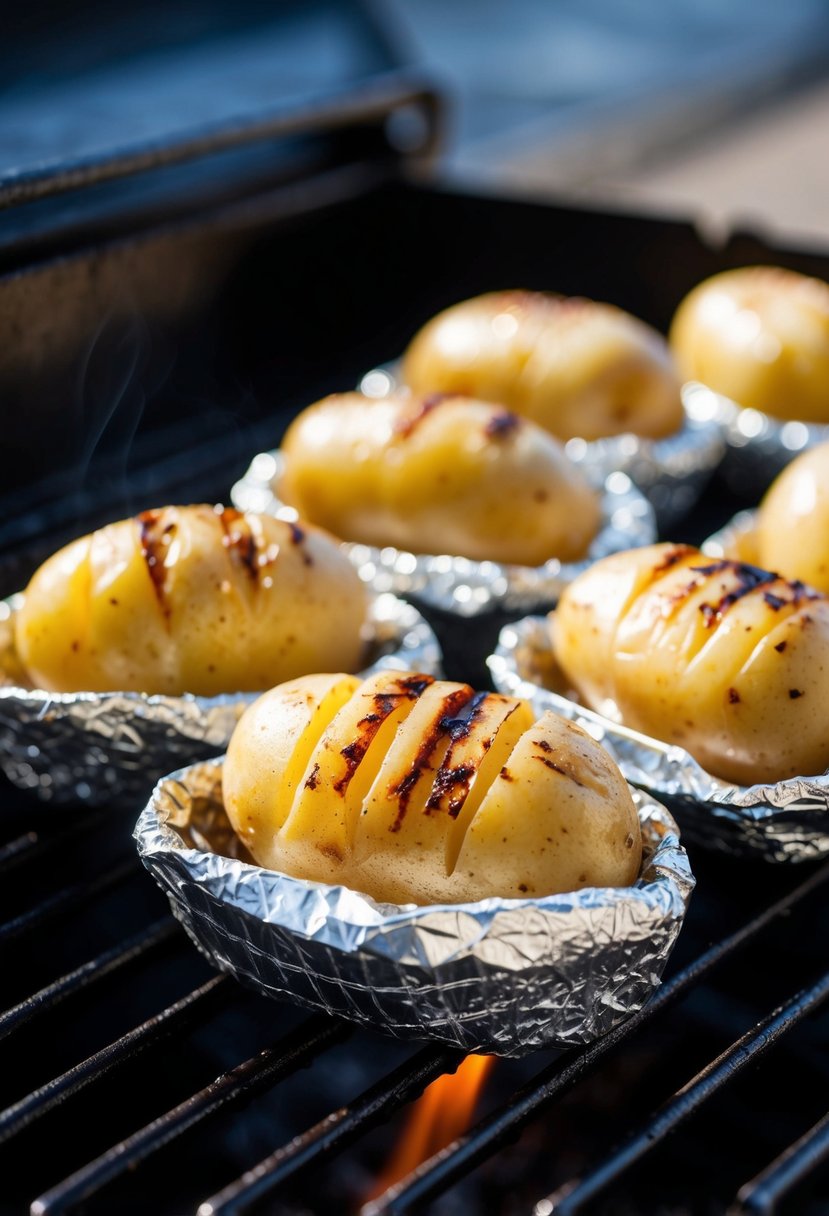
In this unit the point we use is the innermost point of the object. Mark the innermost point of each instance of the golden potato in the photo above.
(792, 529)
(574, 366)
(421, 791)
(439, 475)
(759, 335)
(728, 661)
(190, 599)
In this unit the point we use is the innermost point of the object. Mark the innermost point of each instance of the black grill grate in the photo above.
(285, 1178)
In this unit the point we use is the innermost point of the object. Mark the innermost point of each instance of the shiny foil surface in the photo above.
(457, 584)
(499, 976)
(96, 747)
(758, 446)
(787, 821)
(672, 472)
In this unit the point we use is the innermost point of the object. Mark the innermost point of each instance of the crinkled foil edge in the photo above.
(499, 976)
(96, 747)
(671, 472)
(758, 446)
(787, 821)
(459, 585)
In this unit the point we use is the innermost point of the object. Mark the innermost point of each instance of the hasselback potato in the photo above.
(574, 366)
(190, 599)
(420, 791)
(437, 475)
(759, 335)
(727, 660)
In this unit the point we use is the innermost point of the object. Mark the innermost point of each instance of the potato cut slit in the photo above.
(398, 796)
(325, 805)
(515, 719)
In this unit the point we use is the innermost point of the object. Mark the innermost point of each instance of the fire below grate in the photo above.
(135, 1080)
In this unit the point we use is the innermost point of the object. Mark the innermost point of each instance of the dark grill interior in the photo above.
(135, 1080)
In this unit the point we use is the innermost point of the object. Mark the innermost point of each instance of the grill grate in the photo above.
(262, 1186)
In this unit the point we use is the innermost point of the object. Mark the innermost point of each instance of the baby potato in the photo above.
(792, 529)
(759, 335)
(437, 475)
(190, 599)
(728, 661)
(573, 366)
(413, 790)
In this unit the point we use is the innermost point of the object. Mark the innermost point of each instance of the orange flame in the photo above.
(442, 1112)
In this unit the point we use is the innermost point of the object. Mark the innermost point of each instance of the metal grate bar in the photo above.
(761, 1196)
(457, 1159)
(747, 1050)
(65, 900)
(136, 948)
(18, 850)
(33, 844)
(177, 1016)
(335, 1132)
(245, 1081)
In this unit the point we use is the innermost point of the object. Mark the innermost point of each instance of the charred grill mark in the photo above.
(505, 774)
(385, 703)
(733, 696)
(672, 558)
(427, 404)
(403, 790)
(544, 746)
(780, 647)
(794, 693)
(447, 780)
(312, 780)
(502, 424)
(238, 539)
(450, 776)
(749, 579)
(153, 549)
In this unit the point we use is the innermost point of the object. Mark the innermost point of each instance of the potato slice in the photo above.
(329, 798)
(283, 727)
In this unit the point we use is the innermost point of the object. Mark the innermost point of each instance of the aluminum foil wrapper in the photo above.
(96, 747)
(499, 976)
(758, 446)
(672, 472)
(457, 584)
(786, 821)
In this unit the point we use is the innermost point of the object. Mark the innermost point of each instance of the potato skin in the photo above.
(759, 335)
(555, 815)
(440, 475)
(792, 528)
(190, 599)
(726, 660)
(574, 366)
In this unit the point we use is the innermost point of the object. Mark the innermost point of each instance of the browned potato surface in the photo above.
(574, 366)
(759, 335)
(421, 791)
(437, 475)
(190, 599)
(728, 661)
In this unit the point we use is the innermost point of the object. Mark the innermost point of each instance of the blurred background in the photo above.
(693, 107)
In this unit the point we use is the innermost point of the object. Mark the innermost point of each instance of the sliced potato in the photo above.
(190, 599)
(574, 366)
(439, 475)
(417, 791)
(759, 335)
(729, 661)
